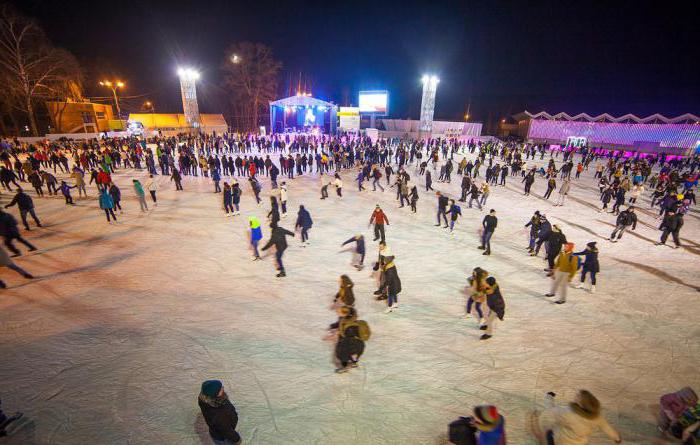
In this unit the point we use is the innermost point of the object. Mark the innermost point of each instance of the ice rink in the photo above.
(110, 343)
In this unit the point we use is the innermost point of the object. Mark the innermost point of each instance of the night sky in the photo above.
(502, 57)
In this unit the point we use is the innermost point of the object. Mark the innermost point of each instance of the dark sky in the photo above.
(502, 57)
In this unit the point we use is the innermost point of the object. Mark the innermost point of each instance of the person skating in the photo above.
(283, 199)
(338, 186)
(219, 413)
(496, 305)
(359, 251)
(554, 241)
(477, 294)
(255, 186)
(236, 197)
(489, 224)
(590, 265)
(345, 295)
(26, 206)
(116, 195)
(490, 425)
(216, 178)
(140, 195)
(563, 192)
(352, 335)
(413, 197)
(107, 204)
(565, 267)
(274, 214)
(455, 212)
(379, 219)
(65, 190)
(534, 224)
(625, 219)
(152, 187)
(324, 188)
(304, 223)
(6, 261)
(278, 238)
(177, 178)
(671, 224)
(551, 185)
(443, 203)
(391, 285)
(255, 235)
(228, 199)
(10, 232)
(575, 423)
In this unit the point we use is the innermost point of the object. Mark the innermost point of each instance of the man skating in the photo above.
(379, 219)
(625, 219)
(489, 226)
(671, 225)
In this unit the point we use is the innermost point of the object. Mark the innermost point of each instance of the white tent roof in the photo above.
(301, 101)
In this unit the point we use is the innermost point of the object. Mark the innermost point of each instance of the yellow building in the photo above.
(176, 123)
(81, 117)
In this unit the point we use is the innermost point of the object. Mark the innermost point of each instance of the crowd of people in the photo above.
(273, 162)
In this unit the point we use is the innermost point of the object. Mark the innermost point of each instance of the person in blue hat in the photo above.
(219, 413)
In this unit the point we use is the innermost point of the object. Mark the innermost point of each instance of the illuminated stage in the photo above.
(303, 113)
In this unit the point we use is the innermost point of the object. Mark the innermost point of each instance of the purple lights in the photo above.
(652, 137)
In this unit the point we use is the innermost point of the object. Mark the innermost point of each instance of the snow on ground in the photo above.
(110, 344)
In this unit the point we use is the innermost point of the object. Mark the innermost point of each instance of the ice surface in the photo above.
(111, 343)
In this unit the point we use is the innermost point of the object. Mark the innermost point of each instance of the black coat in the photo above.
(555, 241)
(221, 420)
(490, 222)
(495, 300)
(349, 344)
(392, 281)
(591, 263)
(8, 225)
(278, 238)
(23, 201)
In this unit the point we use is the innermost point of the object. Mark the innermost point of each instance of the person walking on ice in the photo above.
(219, 413)
(565, 267)
(255, 235)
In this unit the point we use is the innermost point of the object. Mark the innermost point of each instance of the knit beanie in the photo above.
(487, 414)
(211, 388)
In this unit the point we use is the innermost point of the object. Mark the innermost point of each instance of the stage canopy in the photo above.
(303, 113)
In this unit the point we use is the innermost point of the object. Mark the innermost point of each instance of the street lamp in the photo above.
(427, 107)
(114, 86)
(235, 58)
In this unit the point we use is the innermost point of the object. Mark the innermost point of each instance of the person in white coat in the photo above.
(152, 187)
(563, 191)
(283, 198)
(636, 192)
(575, 423)
(338, 185)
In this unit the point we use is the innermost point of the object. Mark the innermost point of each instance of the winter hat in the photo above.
(487, 414)
(537, 212)
(591, 244)
(211, 388)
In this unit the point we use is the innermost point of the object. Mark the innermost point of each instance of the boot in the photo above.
(592, 290)
(281, 274)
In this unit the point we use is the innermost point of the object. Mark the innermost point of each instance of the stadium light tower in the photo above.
(427, 106)
(188, 78)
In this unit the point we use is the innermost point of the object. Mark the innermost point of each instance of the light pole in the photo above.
(148, 105)
(427, 106)
(188, 88)
(114, 86)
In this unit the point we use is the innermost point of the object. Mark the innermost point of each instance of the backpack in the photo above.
(461, 432)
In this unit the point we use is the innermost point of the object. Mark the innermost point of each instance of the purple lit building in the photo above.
(653, 134)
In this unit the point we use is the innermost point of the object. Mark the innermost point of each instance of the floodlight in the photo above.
(425, 78)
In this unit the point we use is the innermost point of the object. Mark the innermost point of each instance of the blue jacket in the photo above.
(106, 201)
(215, 176)
(256, 234)
(496, 436)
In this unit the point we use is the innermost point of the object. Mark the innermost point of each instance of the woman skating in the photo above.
(304, 223)
(590, 266)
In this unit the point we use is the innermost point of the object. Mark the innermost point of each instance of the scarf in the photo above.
(215, 402)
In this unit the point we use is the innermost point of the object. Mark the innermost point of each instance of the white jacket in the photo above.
(338, 183)
(283, 193)
(152, 186)
(573, 429)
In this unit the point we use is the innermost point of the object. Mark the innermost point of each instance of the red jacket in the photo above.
(379, 217)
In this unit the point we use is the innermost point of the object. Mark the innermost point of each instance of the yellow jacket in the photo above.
(567, 262)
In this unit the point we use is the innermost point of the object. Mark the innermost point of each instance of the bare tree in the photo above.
(250, 74)
(31, 67)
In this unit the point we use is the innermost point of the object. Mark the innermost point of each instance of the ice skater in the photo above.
(358, 257)
(625, 219)
(10, 231)
(26, 206)
(255, 235)
(219, 413)
(590, 265)
(6, 261)
(107, 204)
(304, 224)
(140, 195)
(278, 238)
(379, 219)
(565, 268)
(489, 225)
